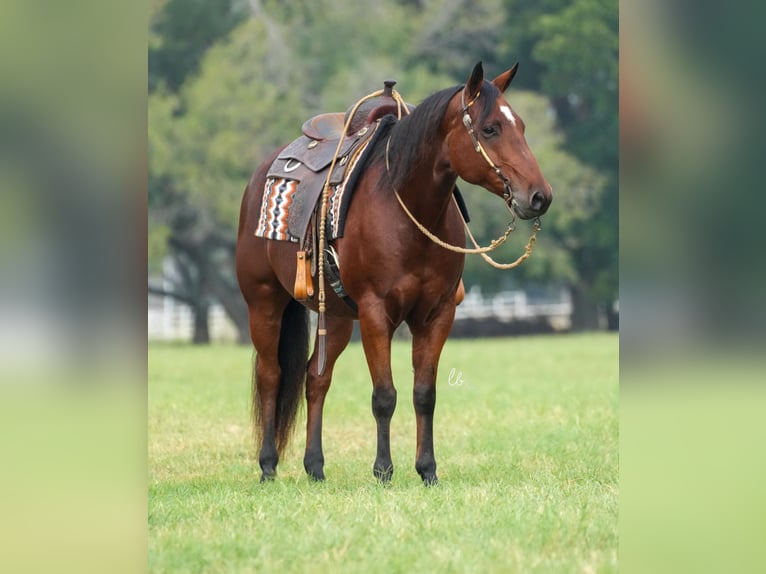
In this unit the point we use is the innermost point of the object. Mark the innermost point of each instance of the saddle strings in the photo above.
(322, 307)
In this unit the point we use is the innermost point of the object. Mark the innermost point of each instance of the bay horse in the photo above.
(391, 270)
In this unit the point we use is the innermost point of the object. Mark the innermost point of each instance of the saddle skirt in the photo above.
(296, 178)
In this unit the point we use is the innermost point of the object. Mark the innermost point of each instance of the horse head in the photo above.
(486, 145)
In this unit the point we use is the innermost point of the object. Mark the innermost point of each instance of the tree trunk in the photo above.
(206, 270)
(201, 328)
(612, 318)
(232, 302)
(585, 311)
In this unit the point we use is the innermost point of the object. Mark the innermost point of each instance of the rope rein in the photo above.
(322, 301)
(495, 243)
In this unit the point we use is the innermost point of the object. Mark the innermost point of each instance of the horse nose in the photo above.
(538, 202)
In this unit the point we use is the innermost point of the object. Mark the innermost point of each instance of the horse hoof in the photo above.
(383, 474)
(268, 477)
(314, 467)
(430, 480)
(316, 475)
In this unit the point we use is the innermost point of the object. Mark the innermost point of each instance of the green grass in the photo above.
(526, 450)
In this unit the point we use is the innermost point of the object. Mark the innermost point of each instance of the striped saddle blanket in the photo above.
(295, 181)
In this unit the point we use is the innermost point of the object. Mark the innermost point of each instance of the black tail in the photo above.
(293, 356)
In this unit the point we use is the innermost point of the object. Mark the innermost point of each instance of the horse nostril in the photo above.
(537, 201)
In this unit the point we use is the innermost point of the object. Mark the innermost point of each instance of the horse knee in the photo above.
(316, 388)
(424, 398)
(383, 402)
(267, 374)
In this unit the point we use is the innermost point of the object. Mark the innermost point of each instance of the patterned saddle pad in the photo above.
(295, 181)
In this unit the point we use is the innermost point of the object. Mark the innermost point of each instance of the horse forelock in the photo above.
(489, 95)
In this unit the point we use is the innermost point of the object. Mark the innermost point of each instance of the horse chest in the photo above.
(417, 299)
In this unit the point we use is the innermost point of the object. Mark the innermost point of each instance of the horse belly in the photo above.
(283, 259)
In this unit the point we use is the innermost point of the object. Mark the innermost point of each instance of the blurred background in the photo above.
(231, 80)
(73, 239)
(692, 393)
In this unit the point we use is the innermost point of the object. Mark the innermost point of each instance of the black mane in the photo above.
(414, 134)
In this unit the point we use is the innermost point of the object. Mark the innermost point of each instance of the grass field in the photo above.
(526, 447)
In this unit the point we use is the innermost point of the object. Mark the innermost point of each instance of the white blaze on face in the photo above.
(508, 114)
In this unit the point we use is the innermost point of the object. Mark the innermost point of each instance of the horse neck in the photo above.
(428, 188)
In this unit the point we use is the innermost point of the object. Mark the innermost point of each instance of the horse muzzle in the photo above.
(537, 204)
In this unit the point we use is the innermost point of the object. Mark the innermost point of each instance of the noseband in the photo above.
(468, 123)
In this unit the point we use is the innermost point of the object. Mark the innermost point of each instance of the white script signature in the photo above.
(455, 378)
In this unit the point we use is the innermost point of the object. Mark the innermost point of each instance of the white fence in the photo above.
(516, 305)
(170, 320)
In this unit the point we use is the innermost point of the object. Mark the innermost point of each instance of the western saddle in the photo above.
(307, 160)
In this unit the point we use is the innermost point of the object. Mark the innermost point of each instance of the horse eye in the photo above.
(489, 131)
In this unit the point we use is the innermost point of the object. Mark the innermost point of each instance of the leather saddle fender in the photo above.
(306, 161)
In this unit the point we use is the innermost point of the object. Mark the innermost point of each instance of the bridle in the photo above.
(468, 123)
(507, 195)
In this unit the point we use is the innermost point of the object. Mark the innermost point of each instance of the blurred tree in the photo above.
(230, 80)
(180, 31)
(204, 144)
(578, 47)
(452, 35)
(342, 45)
(552, 261)
(569, 51)
(520, 36)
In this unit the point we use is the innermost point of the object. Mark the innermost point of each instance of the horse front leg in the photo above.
(338, 335)
(427, 344)
(377, 330)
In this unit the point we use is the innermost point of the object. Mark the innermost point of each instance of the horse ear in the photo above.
(474, 83)
(504, 80)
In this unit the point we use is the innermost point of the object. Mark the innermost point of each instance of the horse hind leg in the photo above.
(280, 373)
(265, 384)
(338, 335)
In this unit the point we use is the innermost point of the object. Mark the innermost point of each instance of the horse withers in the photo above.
(392, 271)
